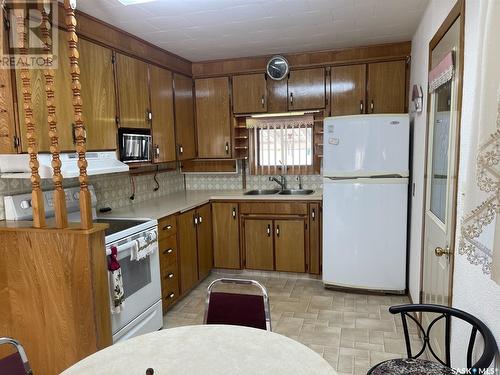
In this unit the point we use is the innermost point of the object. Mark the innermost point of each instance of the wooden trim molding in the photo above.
(107, 35)
(257, 64)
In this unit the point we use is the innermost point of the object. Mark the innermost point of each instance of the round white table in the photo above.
(205, 349)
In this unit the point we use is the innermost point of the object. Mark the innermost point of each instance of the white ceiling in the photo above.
(214, 29)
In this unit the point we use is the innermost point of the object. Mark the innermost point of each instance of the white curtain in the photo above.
(478, 240)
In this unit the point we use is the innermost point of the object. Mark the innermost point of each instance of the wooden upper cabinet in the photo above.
(133, 92)
(188, 251)
(258, 244)
(213, 122)
(249, 93)
(162, 114)
(98, 95)
(348, 89)
(226, 235)
(290, 245)
(184, 117)
(205, 248)
(387, 87)
(277, 96)
(306, 89)
(63, 103)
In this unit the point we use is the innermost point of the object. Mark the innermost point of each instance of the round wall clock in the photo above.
(277, 68)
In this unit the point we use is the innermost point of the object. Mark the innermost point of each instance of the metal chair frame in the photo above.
(20, 350)
(265, 295)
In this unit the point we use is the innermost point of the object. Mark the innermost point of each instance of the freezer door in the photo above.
(366, 145)
(364, 233)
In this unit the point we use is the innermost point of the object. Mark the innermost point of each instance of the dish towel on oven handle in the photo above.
(145, 247)
(116, 281)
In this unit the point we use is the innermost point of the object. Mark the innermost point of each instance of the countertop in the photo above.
(186, 200)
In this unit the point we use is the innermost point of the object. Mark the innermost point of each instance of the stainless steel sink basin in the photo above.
(296, 192)
(262, 192)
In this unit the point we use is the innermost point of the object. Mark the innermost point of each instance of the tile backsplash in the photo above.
(113, 190)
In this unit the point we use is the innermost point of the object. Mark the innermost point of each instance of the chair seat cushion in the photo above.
(408, 366)
(12, 365)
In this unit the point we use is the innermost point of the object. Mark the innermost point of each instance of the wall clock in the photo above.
(277, 68)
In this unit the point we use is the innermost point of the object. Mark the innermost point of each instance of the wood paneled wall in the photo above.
(54, 294)
(256, 64)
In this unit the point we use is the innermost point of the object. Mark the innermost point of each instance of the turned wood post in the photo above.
(85, 200)
(36, 192)
(59, 194)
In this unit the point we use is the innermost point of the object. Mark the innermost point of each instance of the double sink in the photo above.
(280, 192)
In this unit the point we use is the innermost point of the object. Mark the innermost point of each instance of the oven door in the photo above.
(141, 285)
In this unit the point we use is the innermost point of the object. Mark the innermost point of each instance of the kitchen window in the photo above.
(282, 146)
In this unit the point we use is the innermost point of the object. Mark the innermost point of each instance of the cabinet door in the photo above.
(290, 250)
(277, 96)
(205, 249)
(226, 235)
(98, 95)
(314, 238)
(63, 102)
(306, 89)
(348, 89)
(133, 92)
(162, 112)
(188, 253)
(249, 93)
(184, 117)
(259, 244)
(213, 122)
(387, 87)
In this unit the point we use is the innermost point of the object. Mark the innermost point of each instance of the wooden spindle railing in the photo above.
(36, 191)
(59, 199)
(85, 200)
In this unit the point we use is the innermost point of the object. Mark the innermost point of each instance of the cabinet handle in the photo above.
(262, 100)
(291, 98)
(313, 214)
(157, 151)
(361, 106)
(268, 230)
(195, 219)
(227, 147)
(277, 230)
(170, 296)
(167, 227)
(200, 219)
(181, 149)
(234, 213)
(169, 276)
(168, 251)
(372, 106)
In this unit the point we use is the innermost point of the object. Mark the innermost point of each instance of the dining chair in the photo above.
(249, 310)
(15, 363)
(415, 365)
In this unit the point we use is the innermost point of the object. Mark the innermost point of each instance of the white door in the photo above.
(366, 145)
(364, 233)
(440, 209)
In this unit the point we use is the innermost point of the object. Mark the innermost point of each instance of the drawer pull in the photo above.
(168, 251)
(169, 276)
(167, 227)
(170, 296)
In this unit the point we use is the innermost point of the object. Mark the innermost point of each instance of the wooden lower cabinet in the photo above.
(188, 250)
(169, 267)
(290, 245)
(226, 235)
(258, 246)
(315, 227)
(204, 241)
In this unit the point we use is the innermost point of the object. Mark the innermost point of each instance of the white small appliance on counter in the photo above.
(142, 309)
(365, 198)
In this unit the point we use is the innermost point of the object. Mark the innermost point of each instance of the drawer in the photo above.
(166, 227)
(169, 296)
(170, 278)
(274, 208)
(168, 251)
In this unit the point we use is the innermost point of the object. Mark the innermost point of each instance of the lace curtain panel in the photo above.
(479, 228)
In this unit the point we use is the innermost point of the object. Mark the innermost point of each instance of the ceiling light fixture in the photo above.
(133, 2)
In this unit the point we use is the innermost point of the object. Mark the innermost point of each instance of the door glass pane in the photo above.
(136, 274)
(440, 143)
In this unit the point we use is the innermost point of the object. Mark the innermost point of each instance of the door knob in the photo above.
(439, 251)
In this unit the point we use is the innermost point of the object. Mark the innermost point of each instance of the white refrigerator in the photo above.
(365, 198)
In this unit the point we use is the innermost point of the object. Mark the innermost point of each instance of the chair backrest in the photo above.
(16, 363)
(446, 313)
(238, 309)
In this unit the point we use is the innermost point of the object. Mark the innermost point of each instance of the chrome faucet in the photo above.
(281, 181)
(299, 178)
